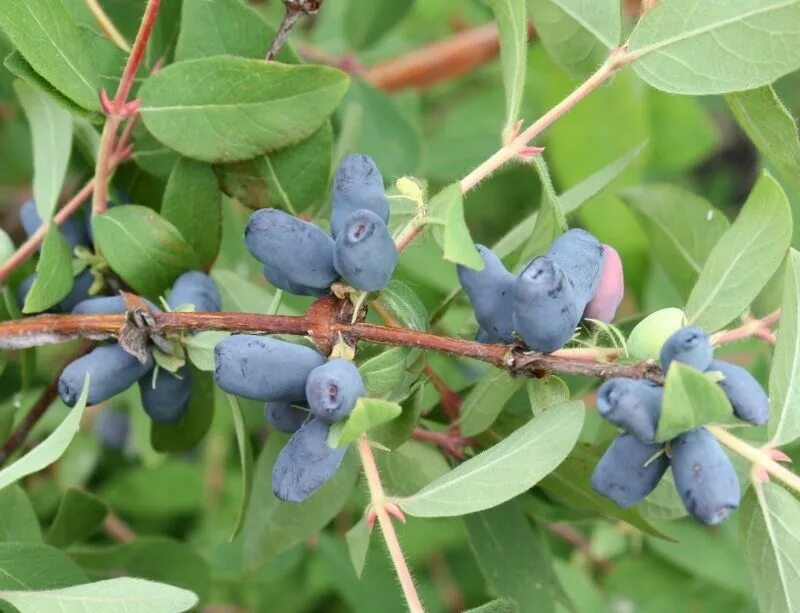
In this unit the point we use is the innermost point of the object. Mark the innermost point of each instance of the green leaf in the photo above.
(513, 557)
(200, 348)
(570, 201)
(51, 133)
(239, 294)
(384, 372)
(404, 305)
(35, 566)
(663, 503)
(190, 430)
(170, 489)
(78, 517)
(357, 539)
(485, 401)
(498, 605)
(770, 126)
(513, 26)
(410, 467)
(744, 259)
(393, 434)
(226, 109)
(53, 274)
(728, 46)
(192, 202)
(47, 37)
(225, 27)
(682, 228)
(271, 526)
(768, 527)
(784, 378)
(506, 470)
(368, 413)
(7, 247)
(691, 400)
(551, 221)
(366, 21)
(546, 393)
(578, 34)
(18, 521)
(245, 460)
(448, 208)
(142, 247)
(51, 448)
(124, 594)
(293, 178)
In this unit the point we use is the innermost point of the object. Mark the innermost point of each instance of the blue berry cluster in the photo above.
(545, 303)
(300, 258)
(112, 369)
(303, 394)
(634, 463)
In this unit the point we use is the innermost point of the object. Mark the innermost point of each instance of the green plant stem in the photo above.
(378, 506)
(756, 456)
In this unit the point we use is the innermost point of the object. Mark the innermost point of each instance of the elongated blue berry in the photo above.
(197, 288)
(489, 291)
(365, 254)
(544, 306)
(629, 470)
(748, 398)
(111, 370)
(105, 304)
(71, 229)
(297, 249)
(333, 388)
(281, 281)
(166, 399)
(580, 256)
(704, 476)
(633, 405)
(358, 184)
(306, 463)
(690, 345)
(264, 368)
(285, 417)
(112, 428)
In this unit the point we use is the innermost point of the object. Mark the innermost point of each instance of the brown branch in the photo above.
(39, 408)
(294, 10)
(575, 538)
(118, 530)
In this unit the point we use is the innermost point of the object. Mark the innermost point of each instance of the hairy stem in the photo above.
(117, 111)
(378, 506)
(756, 456)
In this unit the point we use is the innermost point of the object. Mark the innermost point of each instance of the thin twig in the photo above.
(378, 506)
(294, 10)
(108, 26)
(118, 530)
(39, 408)
(751, 327)
(575, 538)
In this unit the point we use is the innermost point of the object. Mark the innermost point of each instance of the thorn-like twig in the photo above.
(294, 10)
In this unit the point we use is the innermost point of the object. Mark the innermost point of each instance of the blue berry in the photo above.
(197, 288)
(112, 428)
(690, 346)
(629, 470)
(333, 388)
(285, 417)
(279, 280)
(704, 476)
(111, 369)
(306, 463)
(747, 397)
(580, 256)
(167, 400)
(489, 291)
(358, 184)
(294, 248)
(633, 405)
(105, 304)
(365, 253)
(72, 229)
(545, 312)
(264, 368)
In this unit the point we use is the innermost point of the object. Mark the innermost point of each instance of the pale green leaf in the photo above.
(7, 247)
(384, 372)
(744, 259)
(368, 413)
(53, 274)
(79, 516)
(513, 26)
(691, 400)
(200, 348)
(18, 522)
(366, 21)
(551, 221)
(245, 460)
(485, 401)
(404, 305)
(784, 379)
(51, 133)
(719, 47)
(506, 470)
(121, 595)
(769, 528)
(546, 392)
(357, 539)
(448, 207)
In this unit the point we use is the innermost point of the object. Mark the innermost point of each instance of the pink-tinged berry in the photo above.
(603, 305)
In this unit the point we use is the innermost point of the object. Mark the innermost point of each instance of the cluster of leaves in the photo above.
(222, 132)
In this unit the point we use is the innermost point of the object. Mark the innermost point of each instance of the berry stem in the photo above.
(117, 112)
(756, 456)
(378, 506)
(759, 328)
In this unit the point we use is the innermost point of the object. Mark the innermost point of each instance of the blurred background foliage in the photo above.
(183, 506)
